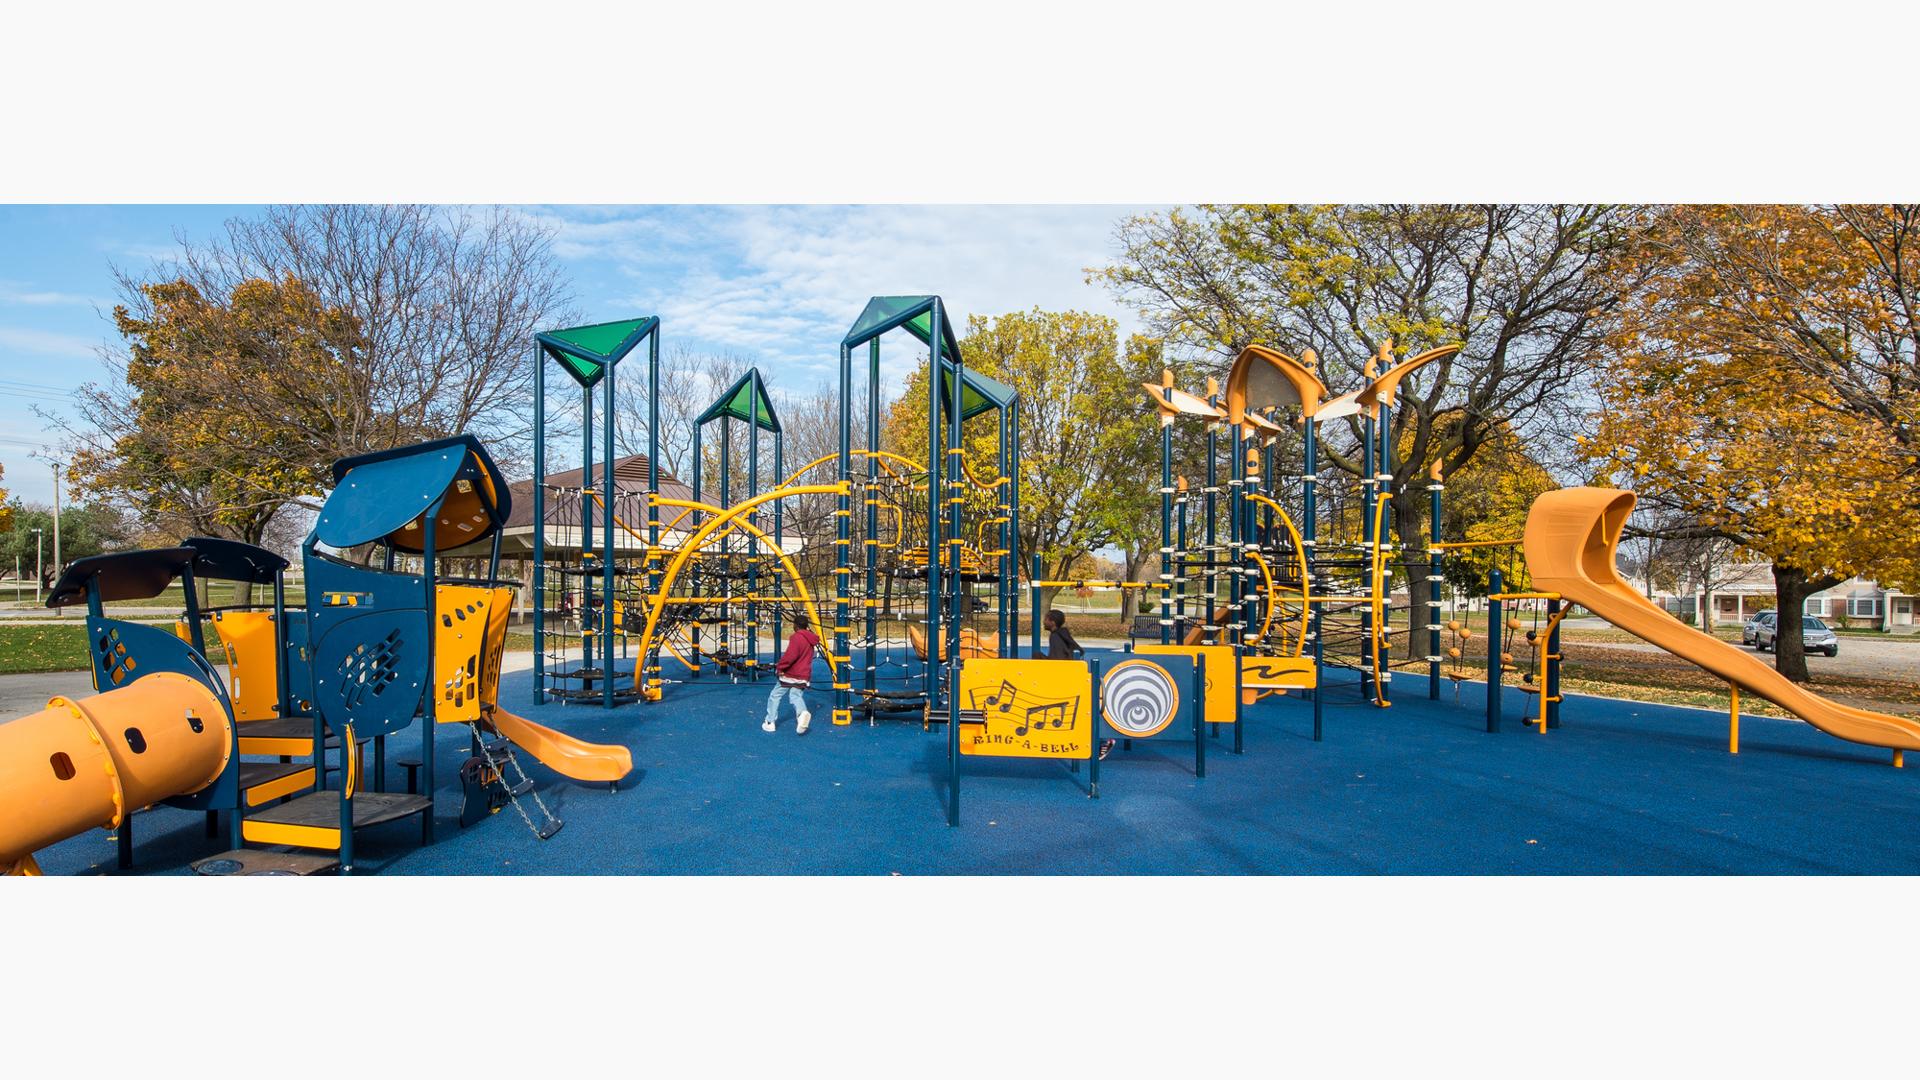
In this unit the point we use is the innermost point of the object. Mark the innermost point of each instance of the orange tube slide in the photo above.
(88, 762)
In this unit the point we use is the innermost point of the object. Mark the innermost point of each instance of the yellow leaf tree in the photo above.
(1761, 385)
(211, 431)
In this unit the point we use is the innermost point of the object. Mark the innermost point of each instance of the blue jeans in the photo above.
(796, 693)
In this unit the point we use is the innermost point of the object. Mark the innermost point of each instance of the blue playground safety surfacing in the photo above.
(1420, 788)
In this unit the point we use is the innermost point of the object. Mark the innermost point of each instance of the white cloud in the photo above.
(784, 283)
(15, 292)
(48, 343)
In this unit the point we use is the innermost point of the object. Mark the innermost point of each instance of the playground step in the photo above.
(265, 781)
(289, 736)
(313, 820)
(245, 863)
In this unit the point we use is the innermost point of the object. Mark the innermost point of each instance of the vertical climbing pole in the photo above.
(647, 668)
(955, 536)
(607, 492)
(779, 535)
(1012, 544)
(587, 621)
(1494, 662)
(1210, 508)
(1436, 577)
(1310, 523)
(1033, 621)
(1389, 540)
(1166, 515)
(753, 536)
(843, 541)
(1367, 499)
(431, 698)
(936, 472)
(1236, 534)
(539, 526)
(870, 543)
(1003, 562)
(727, 640)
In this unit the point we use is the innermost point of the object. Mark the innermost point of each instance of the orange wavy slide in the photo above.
(564, 754)
(1571, 539)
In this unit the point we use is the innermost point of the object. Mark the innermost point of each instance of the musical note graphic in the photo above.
(1009, 701)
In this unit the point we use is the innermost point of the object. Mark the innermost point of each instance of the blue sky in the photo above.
(779, 284)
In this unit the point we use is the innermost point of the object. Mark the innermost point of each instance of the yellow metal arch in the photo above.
(886, 458)
(1300, 552)
(691, 547)
(727, 517)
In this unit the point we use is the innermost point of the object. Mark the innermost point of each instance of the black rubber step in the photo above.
(255, 773)
(321, 809)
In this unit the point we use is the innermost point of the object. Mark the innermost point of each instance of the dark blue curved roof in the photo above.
(381, 496)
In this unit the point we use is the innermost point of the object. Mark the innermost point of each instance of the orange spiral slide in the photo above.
(1571, 540)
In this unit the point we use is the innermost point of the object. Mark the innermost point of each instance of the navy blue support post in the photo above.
(1013, 530)
(1033, 622)
(843, 544)
(1165, 599)
(951, 568)
(1436, 577)
(1368, 497)
(1199, 717)
(1310, 534)
(1093, 742)
(870, 556)
(1494, 628)
(607, 491)
(653, 496)
(1210, 507)
(428, 721)
(753, 537)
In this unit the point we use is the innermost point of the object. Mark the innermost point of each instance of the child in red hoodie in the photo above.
(793, 671)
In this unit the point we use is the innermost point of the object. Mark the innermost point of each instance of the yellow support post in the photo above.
(1733, 720)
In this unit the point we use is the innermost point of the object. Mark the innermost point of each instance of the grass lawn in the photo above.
(58, 647)
(219, 594)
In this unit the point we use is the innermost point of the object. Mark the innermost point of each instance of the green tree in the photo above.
(1085, 433)
(86, 529)
(213, 429)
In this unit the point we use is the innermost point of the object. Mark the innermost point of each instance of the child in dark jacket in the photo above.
(1060, 642)
(1061, 645)
(792, 673)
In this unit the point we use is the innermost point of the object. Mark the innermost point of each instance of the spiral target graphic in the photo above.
(1139, 698)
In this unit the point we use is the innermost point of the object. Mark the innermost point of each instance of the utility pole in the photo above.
(37, 568)
(55, 465)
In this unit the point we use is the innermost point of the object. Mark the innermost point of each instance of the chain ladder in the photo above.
(500, 777)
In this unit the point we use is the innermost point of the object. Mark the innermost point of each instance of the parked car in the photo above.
(1753, 624)
(1815, 636)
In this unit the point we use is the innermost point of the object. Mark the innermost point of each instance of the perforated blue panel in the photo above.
(371, 671)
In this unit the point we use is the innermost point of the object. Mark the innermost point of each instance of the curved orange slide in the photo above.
(1571, 539)
(564, 754)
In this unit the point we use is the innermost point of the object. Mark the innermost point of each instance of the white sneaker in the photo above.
(768, 726)
(801, 728)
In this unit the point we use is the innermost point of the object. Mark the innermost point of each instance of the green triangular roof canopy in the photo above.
(588, 351)
(913, 313)
(745, 400)
(978, 393)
